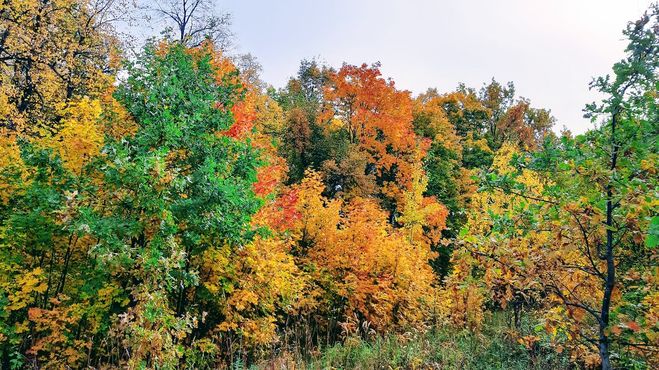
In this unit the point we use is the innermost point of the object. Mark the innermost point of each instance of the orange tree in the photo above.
(364, 272)
(376, 120)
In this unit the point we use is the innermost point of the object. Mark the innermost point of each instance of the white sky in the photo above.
(550, 49)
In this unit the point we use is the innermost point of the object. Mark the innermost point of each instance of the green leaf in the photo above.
(652, 239)
(463, 232)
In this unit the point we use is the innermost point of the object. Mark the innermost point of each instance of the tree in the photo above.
(466, 117)
(376, 120)
(527, 127)
(195, 21)
(167, 186)
(375, 276)
(443, 166)
(497, 99)
(52, 53)
(504, 243)
(305, 143)
(50, 286)
(630, 134)
(597, 207)
(512, 119)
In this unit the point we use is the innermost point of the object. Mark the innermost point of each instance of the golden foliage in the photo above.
(80, 137)
(357, 256)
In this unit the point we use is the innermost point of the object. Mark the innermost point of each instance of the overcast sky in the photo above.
(550, 49)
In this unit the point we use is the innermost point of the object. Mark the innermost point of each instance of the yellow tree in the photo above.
(52, 53)
(376, 276)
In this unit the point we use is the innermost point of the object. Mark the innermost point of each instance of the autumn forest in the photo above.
(163, 207)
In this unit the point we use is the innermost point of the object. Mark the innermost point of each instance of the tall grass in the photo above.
(495, 347)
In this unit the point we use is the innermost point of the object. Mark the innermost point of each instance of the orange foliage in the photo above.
(280, 214)
(377, 118)
(356, 256)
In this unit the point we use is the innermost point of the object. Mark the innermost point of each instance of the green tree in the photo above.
(305, 144)
(173, 190)
(623, 146)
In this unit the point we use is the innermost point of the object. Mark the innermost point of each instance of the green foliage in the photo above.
(113, 252)
(444, 171)
(178, 188)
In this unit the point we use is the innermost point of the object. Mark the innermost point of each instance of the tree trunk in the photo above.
(610, 263)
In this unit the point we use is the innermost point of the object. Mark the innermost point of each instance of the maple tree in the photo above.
(376, 120)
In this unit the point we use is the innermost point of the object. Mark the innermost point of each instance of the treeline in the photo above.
(169, 210)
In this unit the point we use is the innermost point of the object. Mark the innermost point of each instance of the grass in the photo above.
(492, 348)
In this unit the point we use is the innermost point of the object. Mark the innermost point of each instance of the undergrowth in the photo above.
(495, 347)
